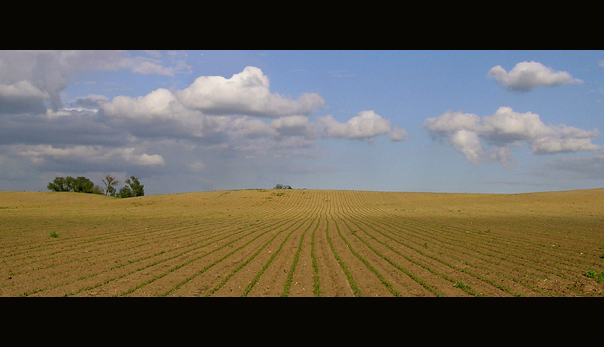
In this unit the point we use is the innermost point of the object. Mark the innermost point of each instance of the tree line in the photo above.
(81, 184)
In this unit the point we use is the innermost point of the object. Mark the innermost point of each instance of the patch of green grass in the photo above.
(461, 285)
(53, 234)
(599, 277)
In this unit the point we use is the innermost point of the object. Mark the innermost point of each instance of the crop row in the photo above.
(291, 243)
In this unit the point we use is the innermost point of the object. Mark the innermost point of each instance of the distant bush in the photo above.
(281, 186)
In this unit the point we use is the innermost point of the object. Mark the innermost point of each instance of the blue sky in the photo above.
(493, 121)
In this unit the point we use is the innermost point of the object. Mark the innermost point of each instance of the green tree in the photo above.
(136, 187)
(132, 188)
(57, 185)
(98, 190)
(125, 192)
(70, 184)
(82, 185)
(110, 183)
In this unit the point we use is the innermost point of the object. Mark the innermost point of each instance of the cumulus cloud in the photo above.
(505, 128)
(238, 108)
(290, 122)
(41, 75)
(296, 125)
(450, 122)
(22, 89)
(251, 128)
(22, 97)
(97, 156)
(526, 76)
(398, 133)
(366, 125)
(160, 114)
(506, 125)
(215, 109)
(467, 143)
(245, 93)
(199, 129)
(160, 103)
(565, 139)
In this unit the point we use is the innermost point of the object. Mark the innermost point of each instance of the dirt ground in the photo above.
(303, 243)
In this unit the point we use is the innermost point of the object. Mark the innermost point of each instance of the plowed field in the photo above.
(302, 243)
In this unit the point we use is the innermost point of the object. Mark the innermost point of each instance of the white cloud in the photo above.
(398, 134)
(159, 114)
(366, 125)
(526, 76)
(564, 139)
(502, 155)
(159, 103)
(290, 122)
(243, 101)
(296, 125)
(506, 125)
(460, 131)
(213, 124)
(153, 64)
(128, 155)
(151, 68)
(43, 74)
(245, 93)
(467, 143)
(503, 129)
(252, 128)
(22, 89)
(39, 154)
(453, 121)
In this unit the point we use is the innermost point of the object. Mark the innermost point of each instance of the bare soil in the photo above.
(302, 243)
